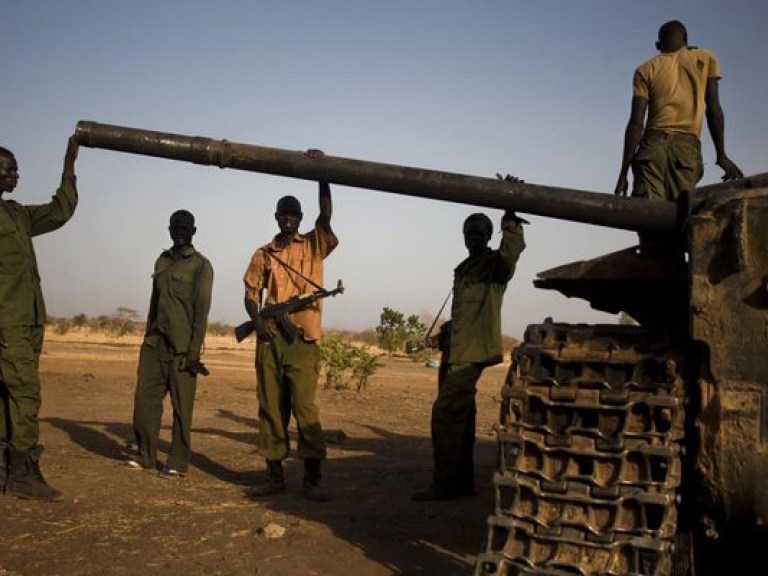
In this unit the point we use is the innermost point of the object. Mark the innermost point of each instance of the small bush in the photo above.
(342, 361)
(61, 326)
(364, 366)
(219, 329)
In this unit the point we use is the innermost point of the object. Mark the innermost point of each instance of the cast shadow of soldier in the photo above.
(371, 479)
(114, 441)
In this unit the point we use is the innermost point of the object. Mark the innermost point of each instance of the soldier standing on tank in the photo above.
(287, 371)
(169, 360)
(22, 325)
(471, 343)
(676, 88)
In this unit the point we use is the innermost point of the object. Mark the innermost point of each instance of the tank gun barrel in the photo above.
(555, 202)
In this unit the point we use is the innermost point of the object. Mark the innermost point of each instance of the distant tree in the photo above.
(123, 312)
(396, 332)
(413, 331)
(62, 326)
(368, 337)
(391, 330)
(100, 323)
(80, 320)
(122, 322)
(219, 329)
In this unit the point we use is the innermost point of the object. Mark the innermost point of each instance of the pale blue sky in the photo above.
(537, 89)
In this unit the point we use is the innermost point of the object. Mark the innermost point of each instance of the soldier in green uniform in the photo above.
(471, 343)
(22, 321)
(169, 360)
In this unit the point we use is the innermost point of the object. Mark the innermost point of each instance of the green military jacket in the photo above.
(479, 283)
(181, 299)
(21, 296)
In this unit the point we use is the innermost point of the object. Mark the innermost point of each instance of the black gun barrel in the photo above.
(601, 209)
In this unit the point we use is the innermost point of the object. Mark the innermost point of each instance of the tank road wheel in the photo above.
(590, 436)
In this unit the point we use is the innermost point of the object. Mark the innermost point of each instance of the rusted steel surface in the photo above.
(729, 315)
(555, 202)
(592, 421)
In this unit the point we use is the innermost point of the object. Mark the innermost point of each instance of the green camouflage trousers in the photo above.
(666, 163)
(20, 397)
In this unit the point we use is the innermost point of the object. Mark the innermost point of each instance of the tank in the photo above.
(636, 448)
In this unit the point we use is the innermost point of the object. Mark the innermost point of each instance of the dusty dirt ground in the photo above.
(116, 520)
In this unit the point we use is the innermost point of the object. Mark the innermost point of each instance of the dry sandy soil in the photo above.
(115, 520)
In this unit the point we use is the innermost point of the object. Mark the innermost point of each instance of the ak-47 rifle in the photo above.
(279, 313)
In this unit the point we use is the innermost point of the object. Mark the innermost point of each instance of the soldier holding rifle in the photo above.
(287, 361)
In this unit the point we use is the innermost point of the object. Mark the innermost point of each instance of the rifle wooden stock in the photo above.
(244, 330)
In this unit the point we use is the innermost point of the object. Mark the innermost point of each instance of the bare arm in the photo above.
(632, 136)
(716, 125)
(323, 194)
(326, 205)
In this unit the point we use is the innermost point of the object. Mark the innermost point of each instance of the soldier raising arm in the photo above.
(22, 322)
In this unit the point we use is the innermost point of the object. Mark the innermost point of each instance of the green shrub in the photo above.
(219, 329)
(364, 366)
(342, 361)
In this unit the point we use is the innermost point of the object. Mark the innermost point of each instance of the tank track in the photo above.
(590, 433)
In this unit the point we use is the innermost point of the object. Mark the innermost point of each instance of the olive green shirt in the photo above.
(181, 299)
(21, 296)
(479, 283)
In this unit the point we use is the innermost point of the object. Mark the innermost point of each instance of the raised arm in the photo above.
(512, 245)
(323, 194)
(45, 218)
(70, 156)
(326, 205)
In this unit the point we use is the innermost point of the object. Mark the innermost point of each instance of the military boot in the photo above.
(312, 490)
(275, 481)
(3, 466)
(26, 480)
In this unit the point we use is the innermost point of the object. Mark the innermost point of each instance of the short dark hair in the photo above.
(182, 218)
(671, 30)
(289, 204)
(6, 152)
(482, 219)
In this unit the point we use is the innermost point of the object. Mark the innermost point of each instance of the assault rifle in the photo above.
(279, 313)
